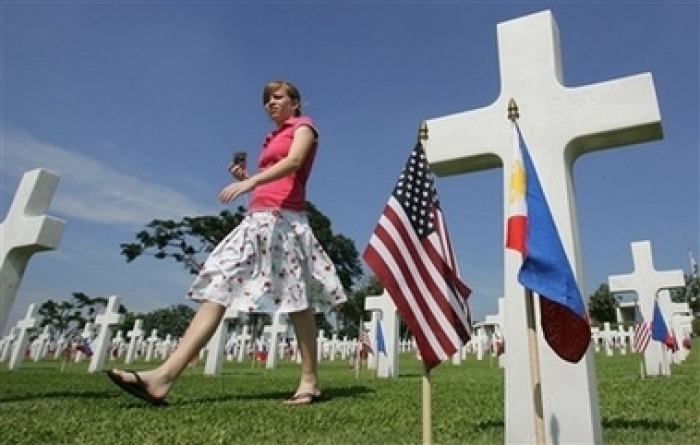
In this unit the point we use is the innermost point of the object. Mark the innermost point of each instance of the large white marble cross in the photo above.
(559, 124)
(646, 282)
(25, 231)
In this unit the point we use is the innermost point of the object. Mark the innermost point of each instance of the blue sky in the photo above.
(138, 107)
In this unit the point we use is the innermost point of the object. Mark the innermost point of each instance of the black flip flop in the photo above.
(303, 398)
(137, 389)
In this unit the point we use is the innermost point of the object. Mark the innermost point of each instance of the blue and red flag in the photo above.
(84, 347)
(545, 269)
(381, 346)
(659, 329)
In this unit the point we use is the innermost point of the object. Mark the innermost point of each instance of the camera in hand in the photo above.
(239, 158)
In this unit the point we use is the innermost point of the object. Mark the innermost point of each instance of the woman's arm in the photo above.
(302, 143)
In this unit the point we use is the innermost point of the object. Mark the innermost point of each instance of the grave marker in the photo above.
(277, 328)
(24, 328)
(135, 335)
(387, 364)
(26, 230)
(106, 321)
(648, 283)
(215, 351)
(560, 124)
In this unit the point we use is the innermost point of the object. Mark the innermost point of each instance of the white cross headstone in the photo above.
(682, 326)
(165, 347)
(106, 322)
(647, 283)
(345, 348)
(135, 335)
(26, 230)
(44, 340)
(387, 364)
(25, 327)
(608, 339)
(320, 341)
(151, 347)
(243, 339)
(275, 331)
(217, 343)
(335, 346)
(479, 342)
(560, 124)
(8, 340)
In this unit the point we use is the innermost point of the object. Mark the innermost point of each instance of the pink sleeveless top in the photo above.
(288, 192)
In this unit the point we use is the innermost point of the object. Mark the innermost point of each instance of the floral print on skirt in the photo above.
(271, 262)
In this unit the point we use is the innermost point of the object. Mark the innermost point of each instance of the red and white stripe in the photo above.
(421, 277)
(642, 336)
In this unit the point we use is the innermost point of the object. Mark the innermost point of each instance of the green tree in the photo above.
(74, 313)
(601, 305)
(61, 316)
(171, 320)
(187, 241)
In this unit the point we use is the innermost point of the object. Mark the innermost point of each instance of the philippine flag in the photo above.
(659, 329)
(545, 269)
(381, 346)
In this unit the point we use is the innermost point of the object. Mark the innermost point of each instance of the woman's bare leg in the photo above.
(201, 328)
(305, 328)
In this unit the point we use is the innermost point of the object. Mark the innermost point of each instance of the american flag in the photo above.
(411, 254)
(365, 343)
(642, 336)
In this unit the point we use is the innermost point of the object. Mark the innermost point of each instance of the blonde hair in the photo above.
(291, 90)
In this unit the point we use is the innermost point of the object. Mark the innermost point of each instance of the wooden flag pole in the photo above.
(427, 409)
(358, 350)
(533, 344)
(535, 377)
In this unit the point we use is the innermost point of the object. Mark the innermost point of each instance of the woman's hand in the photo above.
(238, 171)
(236, 189)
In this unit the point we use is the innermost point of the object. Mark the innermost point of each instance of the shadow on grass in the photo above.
(277, 396)
(328, 394)
(58, 395)
(490, 425)
(642, 424)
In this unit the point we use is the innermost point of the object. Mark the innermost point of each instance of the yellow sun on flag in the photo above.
(517, 182)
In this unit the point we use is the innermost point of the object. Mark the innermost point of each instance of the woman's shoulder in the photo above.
(296, 121)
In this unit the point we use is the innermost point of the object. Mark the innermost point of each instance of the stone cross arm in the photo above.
(578, 119)
(26, 226)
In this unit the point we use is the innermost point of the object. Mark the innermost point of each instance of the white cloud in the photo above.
(92, 191)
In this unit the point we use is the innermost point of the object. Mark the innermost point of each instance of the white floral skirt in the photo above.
(271, 262)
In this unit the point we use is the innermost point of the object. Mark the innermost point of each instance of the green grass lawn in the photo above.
(39, 404)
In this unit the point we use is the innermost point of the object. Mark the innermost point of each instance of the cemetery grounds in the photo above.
(41, 404)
